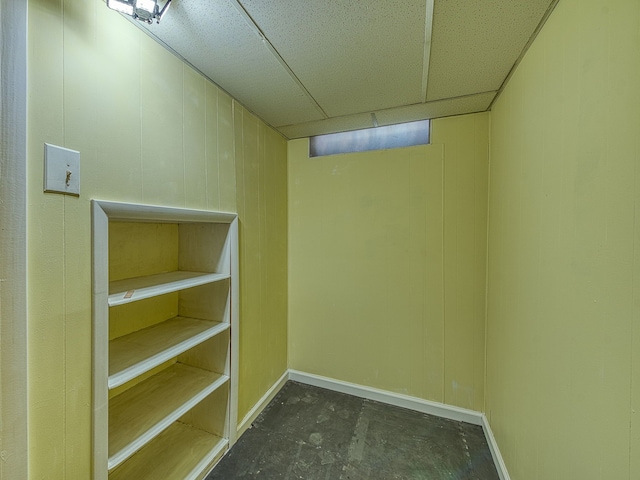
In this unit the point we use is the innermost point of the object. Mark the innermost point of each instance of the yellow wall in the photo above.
(261, 161)
(151, 130)
(387, 254)
(563, 350)
(387, 249)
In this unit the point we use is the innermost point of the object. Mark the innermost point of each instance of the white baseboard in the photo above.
(383, 396)
(495, 451)
(262, 403)
(405, 401)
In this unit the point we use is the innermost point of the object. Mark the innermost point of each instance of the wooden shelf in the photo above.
(138, 288)
(141, 413)
(139, 352)
(175, 412)
(180, 452)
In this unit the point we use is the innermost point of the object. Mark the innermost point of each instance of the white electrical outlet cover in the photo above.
(61, 170)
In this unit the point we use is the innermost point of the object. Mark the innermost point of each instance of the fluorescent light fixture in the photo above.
(148, 5)
(121, 6)
(143, 10)
(146, 10)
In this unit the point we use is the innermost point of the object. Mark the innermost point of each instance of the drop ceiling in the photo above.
(312, 67)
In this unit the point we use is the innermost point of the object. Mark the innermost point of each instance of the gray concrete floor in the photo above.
(311, 433)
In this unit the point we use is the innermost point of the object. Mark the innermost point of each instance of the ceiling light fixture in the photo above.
(143, 10)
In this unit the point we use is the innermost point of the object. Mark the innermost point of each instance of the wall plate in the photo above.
(61, 170)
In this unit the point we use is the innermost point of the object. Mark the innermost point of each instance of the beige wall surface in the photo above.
(563, 345)
(387, 264)
(261, 163)
(150, 130)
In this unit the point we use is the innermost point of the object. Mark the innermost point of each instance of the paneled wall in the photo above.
(261, 163)
(564, 239)
(150, 130)
(387, 255)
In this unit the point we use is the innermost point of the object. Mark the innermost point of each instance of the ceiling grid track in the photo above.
(254, 26)
(428, 24)
(367, 64)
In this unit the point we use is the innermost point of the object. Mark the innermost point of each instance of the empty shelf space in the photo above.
(141, 413)
(139, 352)
(180, 452)
(138, 288)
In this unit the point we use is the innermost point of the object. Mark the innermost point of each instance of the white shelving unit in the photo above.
(165, 309)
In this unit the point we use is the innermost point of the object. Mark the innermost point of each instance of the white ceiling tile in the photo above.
(216, 39)
(475, 44)
(352, 56)
(295, 62)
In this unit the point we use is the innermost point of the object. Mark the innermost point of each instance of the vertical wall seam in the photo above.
(64, 261)
(184, 146)
(261, 158)
(218, 142)
(444, 296)
(243, 243)
(288, 250)
(64, 341)
(206, 146)
(486, 272)
(478, 169)
(634, 300)
(141, 113)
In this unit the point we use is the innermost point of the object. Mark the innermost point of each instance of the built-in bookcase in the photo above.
(165, 309)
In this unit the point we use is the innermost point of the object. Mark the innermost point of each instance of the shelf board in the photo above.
(141, 413)
(137, 353)
(139, 288)
(180, 452)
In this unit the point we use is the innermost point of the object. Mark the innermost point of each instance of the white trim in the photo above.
(13, 238)
(234, 268)
(119, 211)
(426, 54)
(102, 213)
(262, 403)
(100, 344)
(501, 467)
(391, 398)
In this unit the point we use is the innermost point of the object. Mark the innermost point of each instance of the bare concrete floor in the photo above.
(311, 433)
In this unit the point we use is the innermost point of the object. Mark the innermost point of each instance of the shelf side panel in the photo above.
(204, 247)
(211, 414)
(212, 355)
(207, 302)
